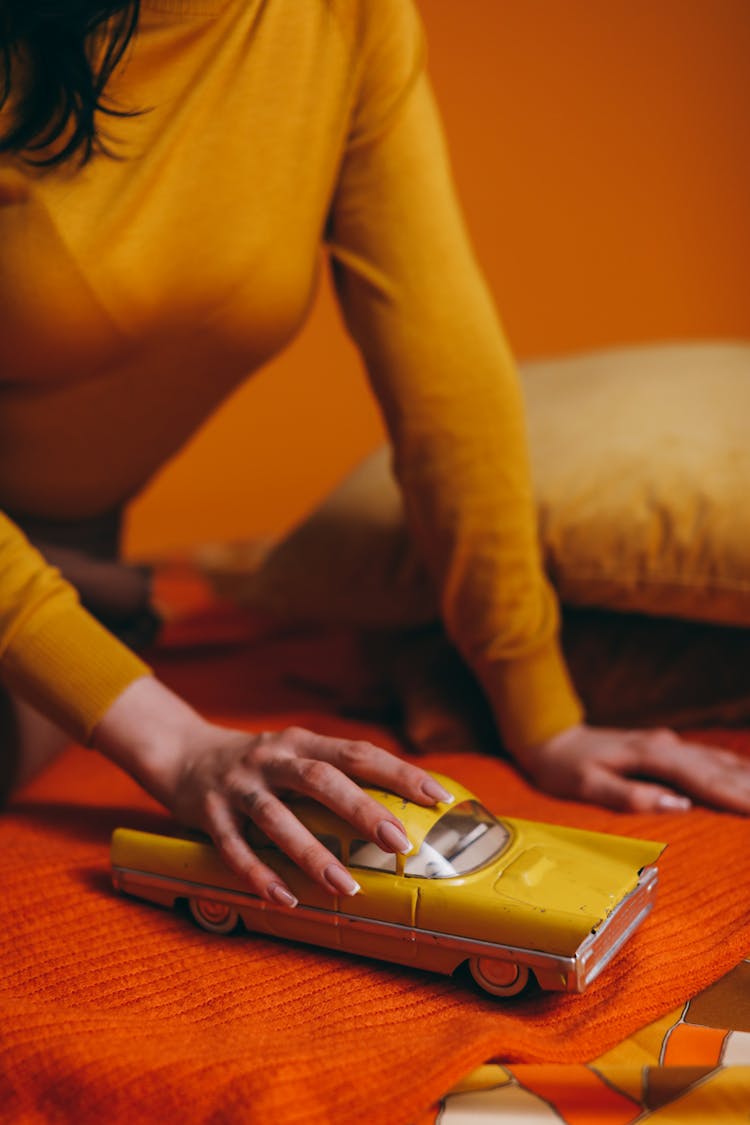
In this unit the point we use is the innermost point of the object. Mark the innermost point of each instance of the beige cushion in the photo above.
(349, 563)
(641, 461)
(642, 465)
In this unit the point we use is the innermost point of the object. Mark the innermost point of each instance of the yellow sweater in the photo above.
(135, 294)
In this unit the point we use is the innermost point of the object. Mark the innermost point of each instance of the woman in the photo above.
(170, 170)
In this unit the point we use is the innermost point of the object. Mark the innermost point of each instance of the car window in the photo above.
(331, 842)
(363, 853)
(465, 838)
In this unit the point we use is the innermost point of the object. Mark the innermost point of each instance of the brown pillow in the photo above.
(349, 563)
(642, 465)
(641, 461)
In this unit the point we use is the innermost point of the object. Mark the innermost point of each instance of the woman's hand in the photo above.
(638, 770)
(214, 778)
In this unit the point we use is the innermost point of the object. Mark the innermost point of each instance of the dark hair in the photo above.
(56, 57)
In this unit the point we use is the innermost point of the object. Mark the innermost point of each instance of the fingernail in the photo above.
(392, 838)
(282, 895)
(340, 880)
(670, 802)
(434, 789)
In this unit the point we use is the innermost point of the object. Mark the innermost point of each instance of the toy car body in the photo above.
(512, 898)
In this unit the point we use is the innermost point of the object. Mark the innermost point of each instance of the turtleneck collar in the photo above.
(186, 7)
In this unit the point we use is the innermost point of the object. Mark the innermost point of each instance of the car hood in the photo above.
(572, 872)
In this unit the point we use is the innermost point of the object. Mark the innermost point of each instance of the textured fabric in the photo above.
(118, 1008)
(690, 1065)
(163, 278)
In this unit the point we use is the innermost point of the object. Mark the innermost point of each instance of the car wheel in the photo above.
(499, 978)
(216, 917)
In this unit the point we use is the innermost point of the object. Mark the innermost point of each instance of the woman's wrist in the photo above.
(560, 740)
(146, 732)
(538, 759)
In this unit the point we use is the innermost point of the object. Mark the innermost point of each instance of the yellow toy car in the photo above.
(510, 898)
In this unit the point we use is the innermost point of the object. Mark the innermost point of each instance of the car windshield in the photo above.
(463, 840)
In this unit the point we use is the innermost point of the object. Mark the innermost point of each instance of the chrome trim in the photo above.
(601, 946)
(467, 946)
(186, 886)
(578, 970)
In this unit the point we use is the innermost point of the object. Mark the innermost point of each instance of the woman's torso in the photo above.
(136, 293)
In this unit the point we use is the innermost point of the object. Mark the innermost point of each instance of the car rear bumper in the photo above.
(600, 947)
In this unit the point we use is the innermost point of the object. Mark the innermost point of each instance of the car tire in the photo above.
(216, 917)
(499, 978)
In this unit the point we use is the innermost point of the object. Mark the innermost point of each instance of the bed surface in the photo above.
(118, 1010)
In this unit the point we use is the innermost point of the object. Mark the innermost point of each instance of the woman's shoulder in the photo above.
(377, 25)
(386, 43)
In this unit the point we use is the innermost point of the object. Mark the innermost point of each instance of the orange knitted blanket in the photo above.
(115, 1010)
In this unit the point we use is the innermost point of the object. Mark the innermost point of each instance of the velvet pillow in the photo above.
(642, 465)
(641, 462)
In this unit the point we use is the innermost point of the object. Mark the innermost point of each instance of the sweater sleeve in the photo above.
(53, 653)
(419, 310)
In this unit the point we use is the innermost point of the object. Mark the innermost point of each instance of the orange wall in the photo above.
(602, 154)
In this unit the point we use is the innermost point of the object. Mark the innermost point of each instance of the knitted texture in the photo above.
(118, 1010)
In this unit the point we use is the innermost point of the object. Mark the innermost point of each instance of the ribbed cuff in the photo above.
(69, 667)
(532, 697)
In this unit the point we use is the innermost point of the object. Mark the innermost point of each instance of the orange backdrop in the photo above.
(602, 155)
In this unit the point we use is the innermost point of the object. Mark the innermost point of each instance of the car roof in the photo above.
(417, 819)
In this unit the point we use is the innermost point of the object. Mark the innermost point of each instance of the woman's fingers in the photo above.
(712, 776)
(614, 791)
(250, 776)
(283, 828)
(639, 770)
(322, 768)
(369, 763)
(326, 784)
(298, 761)
(224, 828)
